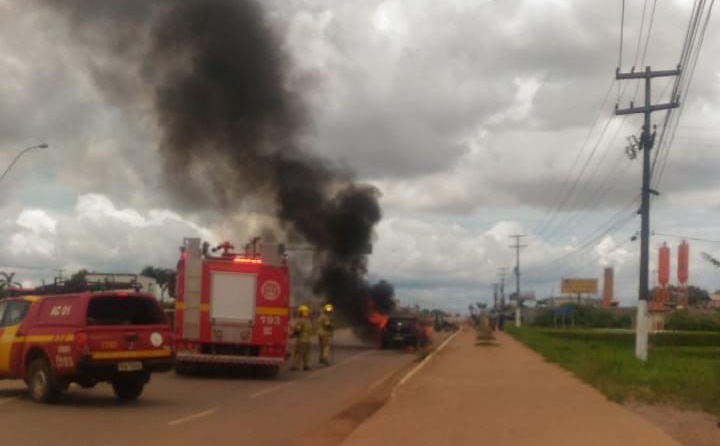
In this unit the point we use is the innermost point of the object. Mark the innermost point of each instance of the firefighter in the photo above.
(324, 325)
(302, 331)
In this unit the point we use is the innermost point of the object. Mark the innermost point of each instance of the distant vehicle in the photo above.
(232, 309)
(403, 330)
(442, 324)
(85, 338)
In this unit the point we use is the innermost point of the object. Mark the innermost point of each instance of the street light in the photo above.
(17, 157)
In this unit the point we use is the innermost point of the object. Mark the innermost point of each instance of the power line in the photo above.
(647, 139)
(570, 199)
(649, 32)
(640, 34)
(562, 198)
(622, 39)
(695, 59)
(573, 221)
(685, 237)
(582, 266)
(662, 153)
(613, 225)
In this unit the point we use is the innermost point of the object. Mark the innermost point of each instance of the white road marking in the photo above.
(193, 416)
(7, 400)
(424, 361)
(272, 389)
(382, 380)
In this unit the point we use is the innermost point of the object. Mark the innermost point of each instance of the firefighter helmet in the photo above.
(328, 308)
(303, 311)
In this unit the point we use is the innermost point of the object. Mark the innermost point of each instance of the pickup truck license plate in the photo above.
(129, 366)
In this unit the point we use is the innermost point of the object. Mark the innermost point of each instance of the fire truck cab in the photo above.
(231, 309)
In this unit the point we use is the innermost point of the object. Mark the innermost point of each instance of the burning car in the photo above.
(403, 330)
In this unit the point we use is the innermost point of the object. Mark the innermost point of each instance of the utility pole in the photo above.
(501, 273)
(501, 314)
(646, 142)
(518, 301)
(495, 295)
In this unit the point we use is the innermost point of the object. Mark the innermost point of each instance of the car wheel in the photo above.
(41, 381)
(128, 389)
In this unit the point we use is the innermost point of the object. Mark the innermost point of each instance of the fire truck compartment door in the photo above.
(232, 297)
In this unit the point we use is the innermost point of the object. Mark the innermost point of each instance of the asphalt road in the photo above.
(201, 410)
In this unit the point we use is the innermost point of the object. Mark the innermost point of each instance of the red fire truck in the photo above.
(231, 309)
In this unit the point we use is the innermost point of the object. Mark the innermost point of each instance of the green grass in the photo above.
(682, 369)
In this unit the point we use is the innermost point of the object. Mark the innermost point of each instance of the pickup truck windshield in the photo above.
(124, 310)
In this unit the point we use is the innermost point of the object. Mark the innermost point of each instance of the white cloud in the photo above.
(35, 235)
(37, 221)
(611, 253)
(29, 244)
(96, 235)
(97, 207)
(468, 115)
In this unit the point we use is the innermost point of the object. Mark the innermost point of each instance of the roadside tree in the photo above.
(165, 278)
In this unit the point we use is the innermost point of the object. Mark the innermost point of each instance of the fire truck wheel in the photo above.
(128, 389)
(41, 381)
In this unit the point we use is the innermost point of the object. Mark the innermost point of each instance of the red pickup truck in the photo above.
(85, 338)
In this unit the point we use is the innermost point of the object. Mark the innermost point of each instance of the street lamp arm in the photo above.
(17, 157)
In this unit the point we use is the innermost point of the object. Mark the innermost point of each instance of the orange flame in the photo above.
(378, 319)
(428, 331)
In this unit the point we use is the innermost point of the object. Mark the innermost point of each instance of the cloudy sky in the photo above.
(477, 120)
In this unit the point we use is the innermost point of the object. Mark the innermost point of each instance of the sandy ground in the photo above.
(504, 395)
(689, 427)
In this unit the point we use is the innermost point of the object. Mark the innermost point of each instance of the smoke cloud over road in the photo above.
(213, 76)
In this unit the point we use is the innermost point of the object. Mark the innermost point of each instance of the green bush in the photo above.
(682, 320)
(584, 316)
(627, 337)
(686, 339)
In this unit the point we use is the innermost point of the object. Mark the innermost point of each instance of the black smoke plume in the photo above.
(216, 81)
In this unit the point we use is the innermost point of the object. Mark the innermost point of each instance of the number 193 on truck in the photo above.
(231, 309)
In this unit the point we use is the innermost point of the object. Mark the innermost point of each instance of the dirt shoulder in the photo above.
(689, 427)
(505, 394)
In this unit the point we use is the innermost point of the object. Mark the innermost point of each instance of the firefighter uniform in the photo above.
(324, 326)
(302, 331)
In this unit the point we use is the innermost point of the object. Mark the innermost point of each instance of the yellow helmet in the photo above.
(328, 308)
(303, 311)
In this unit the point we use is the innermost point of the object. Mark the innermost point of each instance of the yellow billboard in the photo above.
(578, 286)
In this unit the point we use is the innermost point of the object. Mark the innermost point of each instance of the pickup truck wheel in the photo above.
(41, 382)
(128, 389)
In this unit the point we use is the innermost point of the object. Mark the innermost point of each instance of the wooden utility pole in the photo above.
(646, 142)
